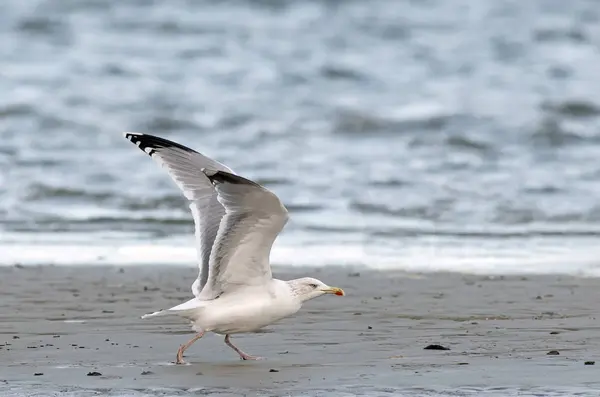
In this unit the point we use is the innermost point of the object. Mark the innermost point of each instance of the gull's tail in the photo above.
(155, 314)
(187, 309)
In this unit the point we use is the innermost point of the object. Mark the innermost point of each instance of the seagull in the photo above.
(236, 222)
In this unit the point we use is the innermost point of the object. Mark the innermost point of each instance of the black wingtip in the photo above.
(226, 177)
(149, 143)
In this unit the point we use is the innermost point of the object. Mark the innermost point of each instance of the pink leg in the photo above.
(183, 348)
(243, 355)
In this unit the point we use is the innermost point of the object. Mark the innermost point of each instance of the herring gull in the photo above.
(236, 222)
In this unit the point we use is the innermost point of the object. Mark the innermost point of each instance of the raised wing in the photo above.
(253, 218)
(185, 166)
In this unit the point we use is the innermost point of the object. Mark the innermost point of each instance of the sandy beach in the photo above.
(76, 331)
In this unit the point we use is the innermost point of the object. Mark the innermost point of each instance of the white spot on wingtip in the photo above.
(132, 133)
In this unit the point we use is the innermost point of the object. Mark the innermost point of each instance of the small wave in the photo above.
(164, 202)
(421, 212)
(466, 143)
(332, 229)
(165, 123)
(16, 109)
(42, 25)
(40, 192)
(177, 28)
(560, 72)
(546, 189)
(507, 50)
(234, 120)
(147, 220)
(506, 215)
(8, 151)
(495, 233)
(153, 225)
(39, 162)
(553, 35)
(46, 121)
(168, 27)
(418, 117)
(200, 53)
(336, 72)
(573, 108)
(390, 29)
(303, 207)
(593, 215)
(393, 182)
(115, 70)
(551, 133)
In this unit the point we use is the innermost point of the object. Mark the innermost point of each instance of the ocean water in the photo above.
(420, 135)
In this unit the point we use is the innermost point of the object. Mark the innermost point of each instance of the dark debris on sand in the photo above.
(436, 347)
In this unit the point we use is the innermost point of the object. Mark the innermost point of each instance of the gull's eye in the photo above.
(313, 285)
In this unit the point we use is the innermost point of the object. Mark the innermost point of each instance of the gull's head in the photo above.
(307, 288)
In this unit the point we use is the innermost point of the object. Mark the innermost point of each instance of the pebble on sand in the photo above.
(436, 347)
(553, 353)
(94, 373)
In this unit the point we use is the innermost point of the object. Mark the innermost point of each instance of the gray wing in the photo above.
(254, 217)
(185, 166)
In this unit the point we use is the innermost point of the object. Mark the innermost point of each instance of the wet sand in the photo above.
(66, 322)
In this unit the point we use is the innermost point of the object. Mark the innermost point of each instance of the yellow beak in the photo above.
(334, 290)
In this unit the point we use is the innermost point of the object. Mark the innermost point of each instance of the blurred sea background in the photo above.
(420, 135)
